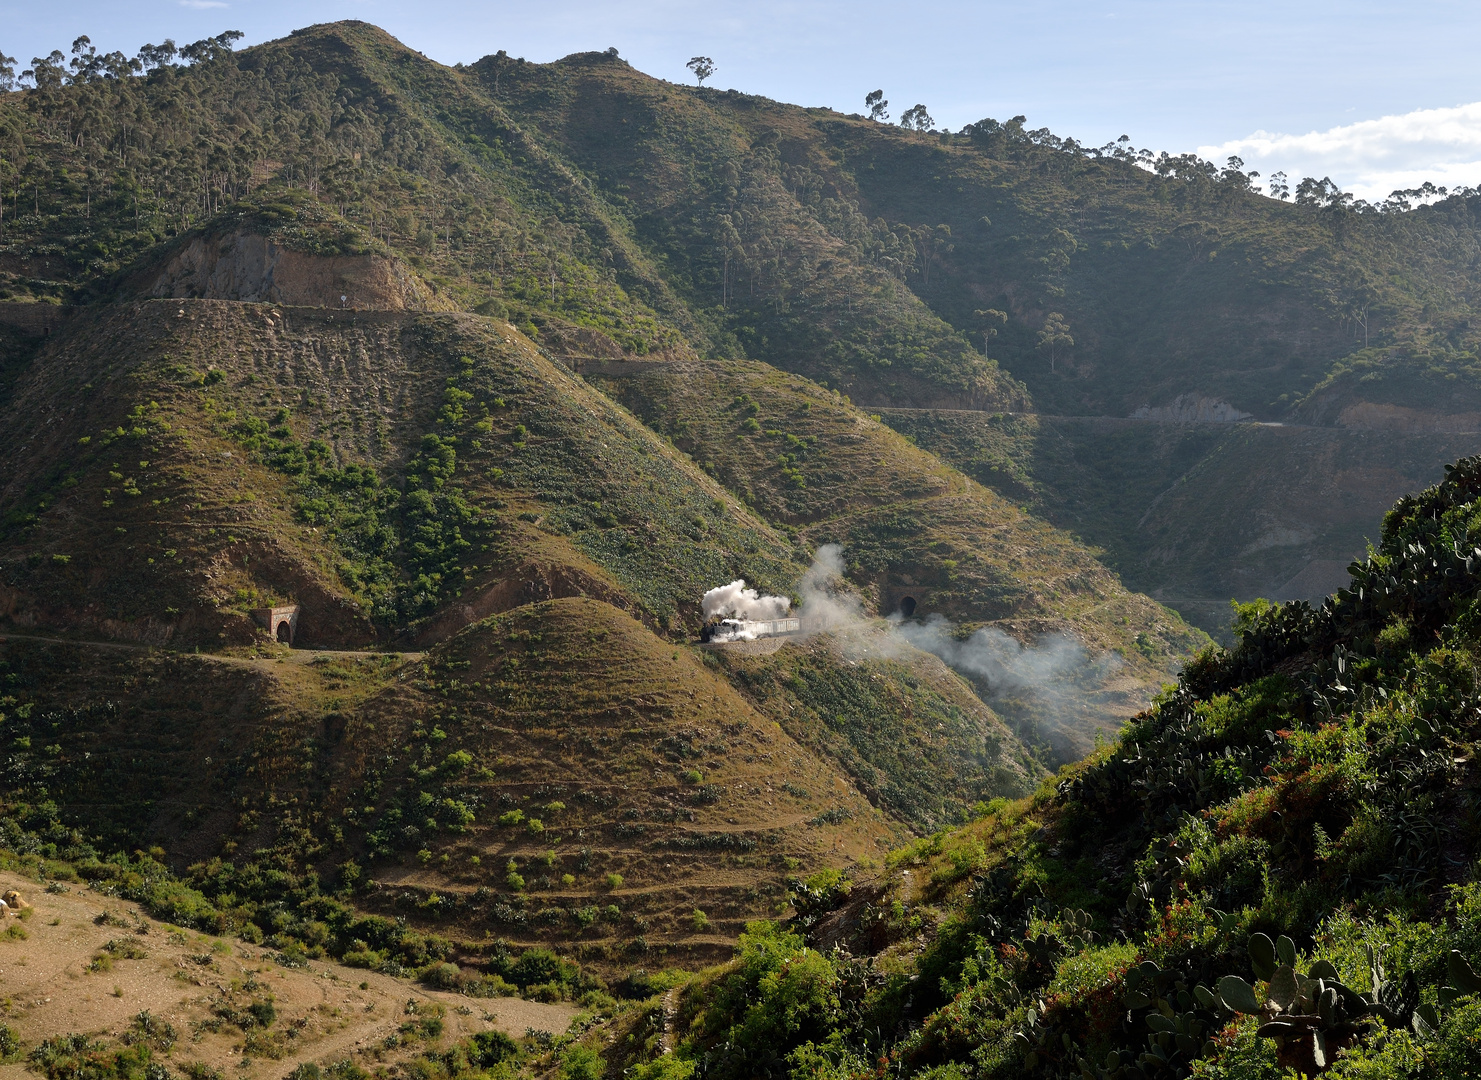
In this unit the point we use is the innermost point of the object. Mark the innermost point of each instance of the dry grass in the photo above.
(325, 1012)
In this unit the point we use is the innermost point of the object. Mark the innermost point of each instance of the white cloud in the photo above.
(203, 5)
(1372, 157)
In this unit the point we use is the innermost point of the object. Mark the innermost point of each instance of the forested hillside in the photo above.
(668, 216)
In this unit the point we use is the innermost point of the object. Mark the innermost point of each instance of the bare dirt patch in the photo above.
(89, 963)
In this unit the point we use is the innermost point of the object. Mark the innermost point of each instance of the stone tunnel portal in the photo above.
(280, 622)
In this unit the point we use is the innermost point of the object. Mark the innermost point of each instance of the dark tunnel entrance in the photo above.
(907, 606)
(285, 632)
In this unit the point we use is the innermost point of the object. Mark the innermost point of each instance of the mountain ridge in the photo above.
(510, 363)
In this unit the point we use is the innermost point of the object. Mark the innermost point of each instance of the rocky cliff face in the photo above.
(251, 267)
(1193, 409)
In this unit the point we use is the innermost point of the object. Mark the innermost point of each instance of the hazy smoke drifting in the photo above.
(738, 602)
(1004, 662)
(1052, 691)
(825, 606)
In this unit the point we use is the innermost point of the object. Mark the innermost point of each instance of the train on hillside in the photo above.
(719, 631)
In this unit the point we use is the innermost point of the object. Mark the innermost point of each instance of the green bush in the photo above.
(1457, 1051)
(581, 1063)
(489, 1048)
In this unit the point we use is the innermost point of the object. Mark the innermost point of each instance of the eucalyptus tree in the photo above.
(918, 118)
(1055, 336)
(990, 318)
(702, 66)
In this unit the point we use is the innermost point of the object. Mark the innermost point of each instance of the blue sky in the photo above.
(1369, 93)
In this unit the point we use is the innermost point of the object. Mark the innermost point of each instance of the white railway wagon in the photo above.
(774, 626)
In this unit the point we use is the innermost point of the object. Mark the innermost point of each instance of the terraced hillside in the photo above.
(613, 215)
(176, 463)
(561, 743)
(540, 360)
(1235, 889)
(424, 479)
(492, 371)
(284, 454)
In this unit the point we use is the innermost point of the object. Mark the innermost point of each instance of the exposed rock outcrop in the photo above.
(1193, 408)
(251, 267)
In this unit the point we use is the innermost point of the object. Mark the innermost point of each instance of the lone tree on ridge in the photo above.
(703, 67)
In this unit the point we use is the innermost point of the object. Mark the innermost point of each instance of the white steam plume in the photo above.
(738, 602)
(825, 606)
(1052, 690)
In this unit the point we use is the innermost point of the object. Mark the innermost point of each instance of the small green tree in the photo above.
(878, 107)
(1055, 336)
(989, 318)
(703, 67)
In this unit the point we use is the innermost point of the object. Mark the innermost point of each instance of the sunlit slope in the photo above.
(405, 474)
(910, 526)
(564, 736)
(609, 214)
(130, 509)
(721, 191)
(909, 732)
(610, 211)
(632, 756)
(1164, 905)
(176, 463)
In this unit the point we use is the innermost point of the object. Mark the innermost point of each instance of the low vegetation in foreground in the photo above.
(1271, 873)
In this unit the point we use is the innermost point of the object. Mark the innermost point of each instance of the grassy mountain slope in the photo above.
(323, 446)
(912, 528)
(1272, 870)
(401, 475)
(912, 735)
(1179, 279)
(710, 187)
(612, 214)
(397, 475)
(433, 775)
(584, 193)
